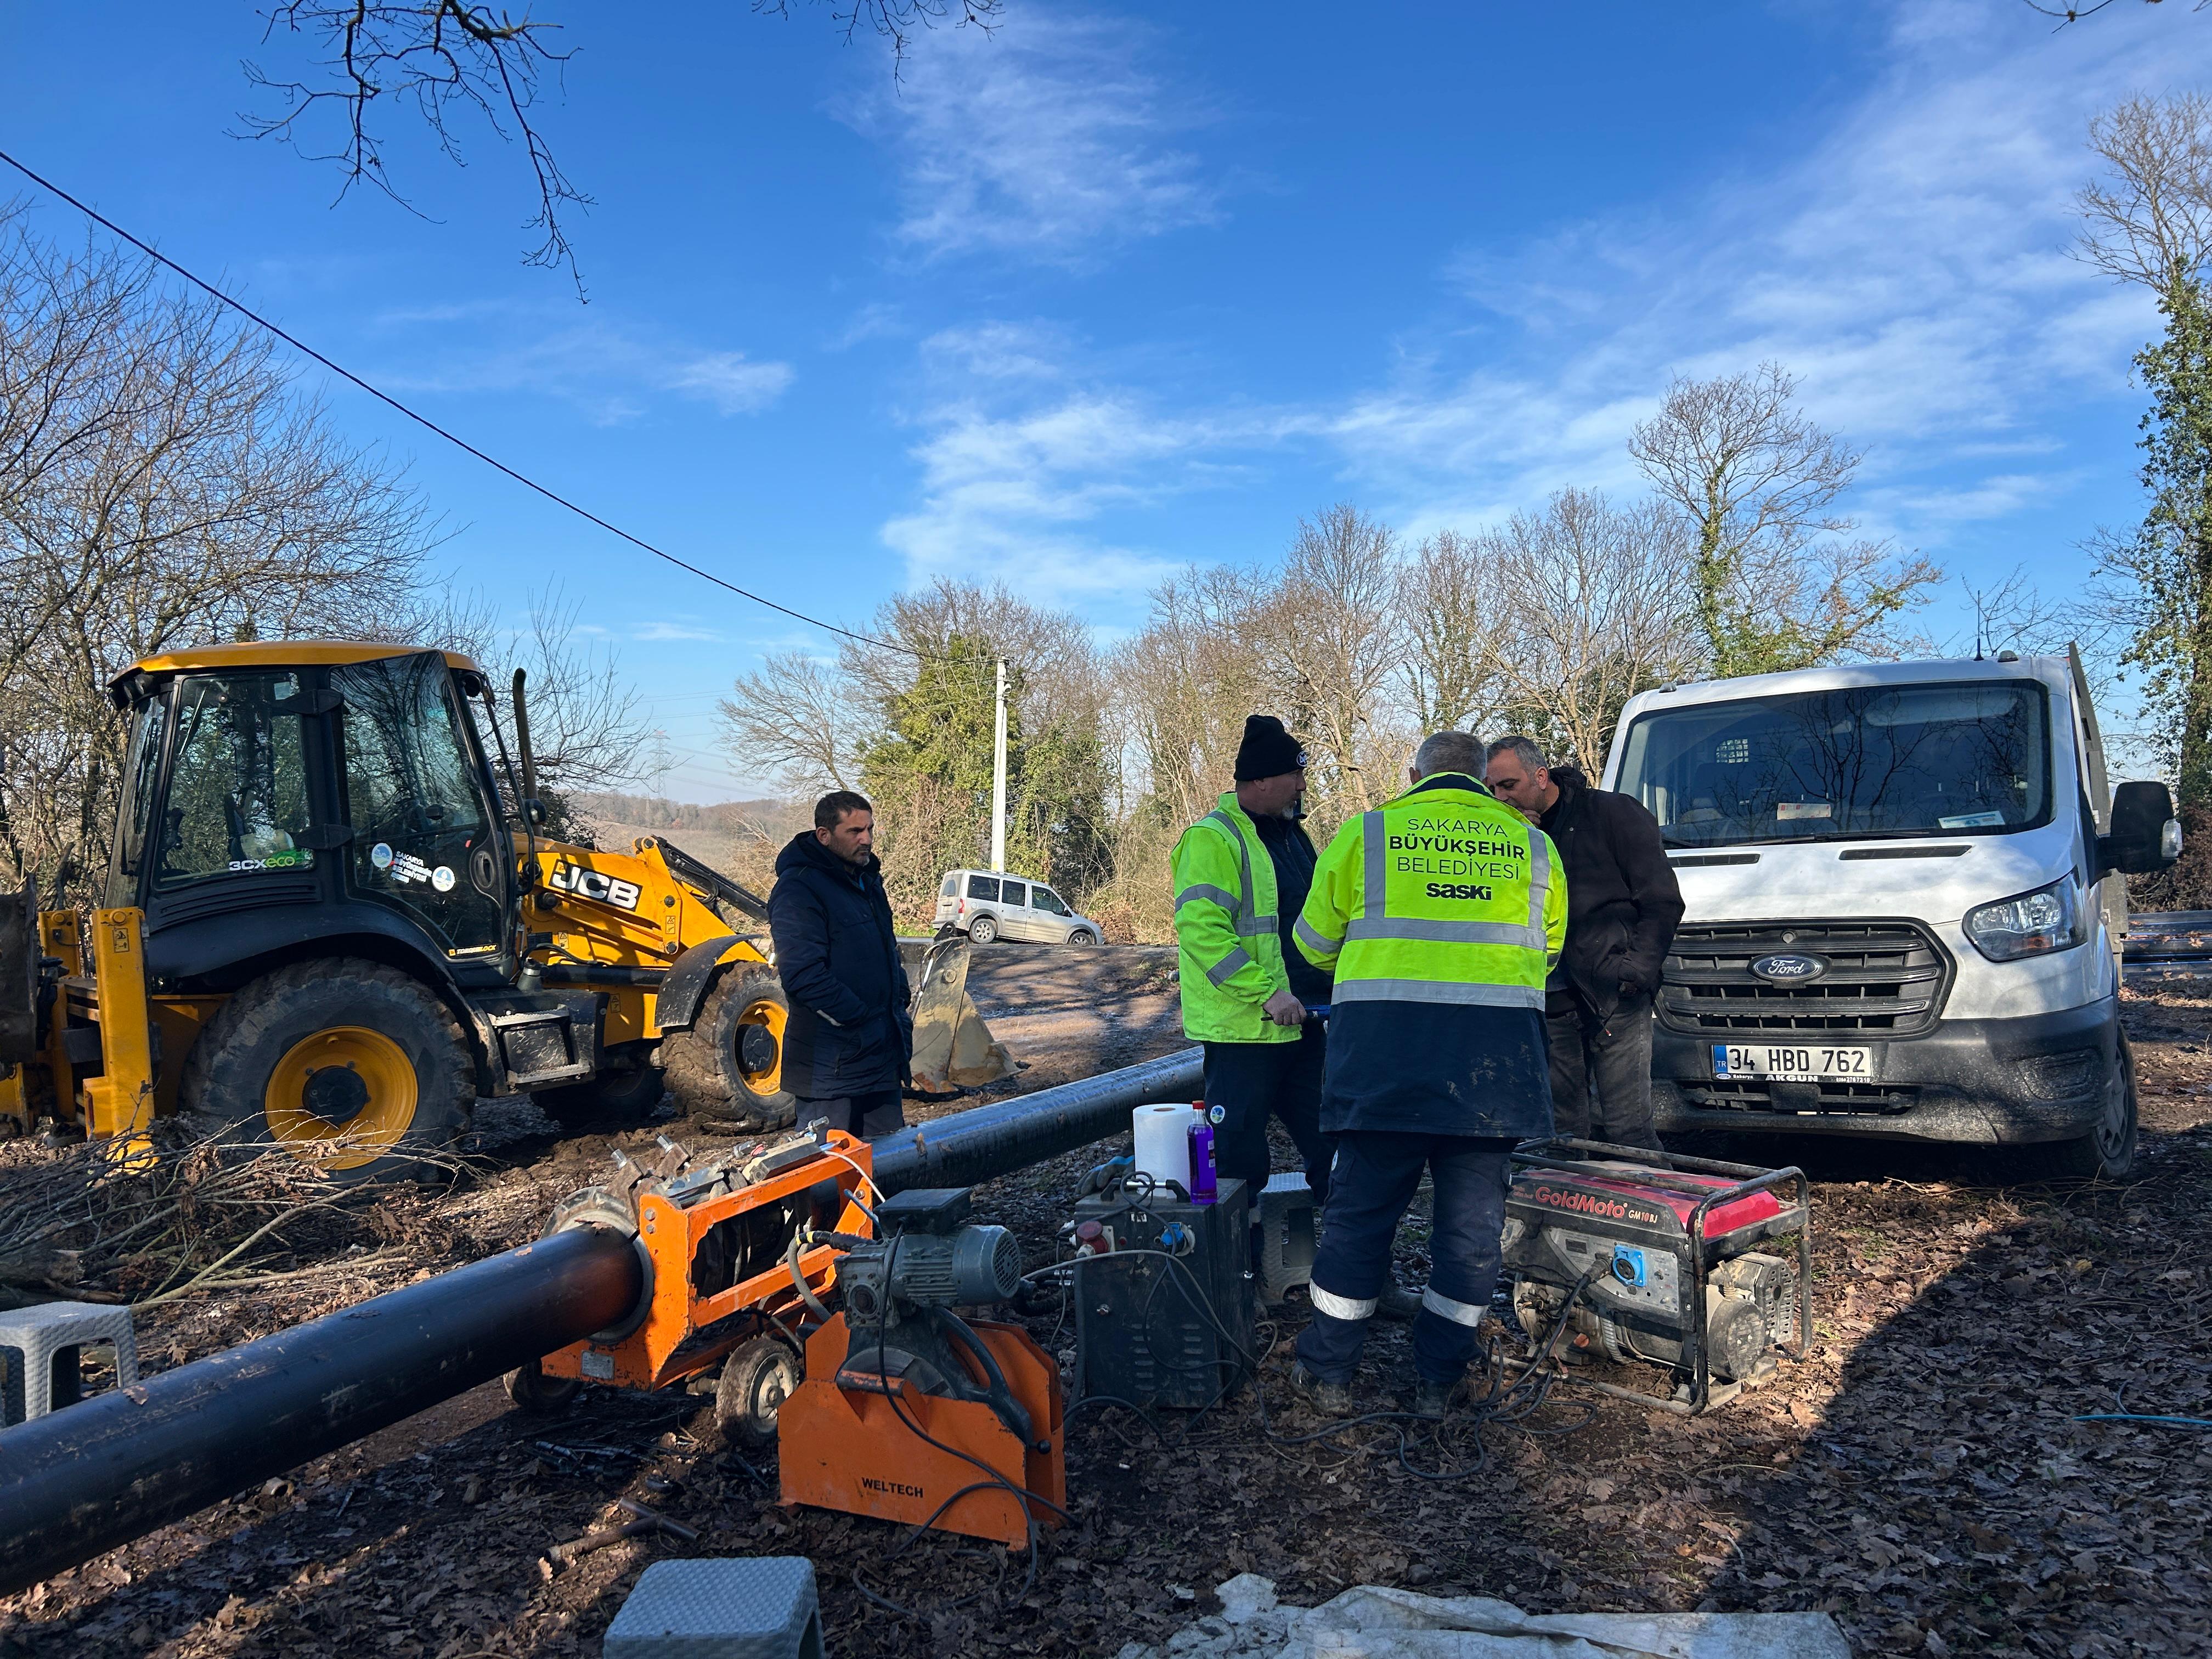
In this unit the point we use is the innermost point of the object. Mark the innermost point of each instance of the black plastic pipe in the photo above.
(90, 1476)
(963, 1148)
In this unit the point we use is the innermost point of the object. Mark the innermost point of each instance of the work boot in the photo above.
(1329, 1399)
(1434, 1399)
(1397, 1304)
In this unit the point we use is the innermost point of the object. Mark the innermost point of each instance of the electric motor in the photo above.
(970, 1265)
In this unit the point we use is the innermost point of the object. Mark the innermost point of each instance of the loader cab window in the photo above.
(422, 838)
(237, 788)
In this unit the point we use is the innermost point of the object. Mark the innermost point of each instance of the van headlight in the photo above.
(2049, 918)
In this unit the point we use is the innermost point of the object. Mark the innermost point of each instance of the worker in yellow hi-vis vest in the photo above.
(1440, 915)
(1241, 873)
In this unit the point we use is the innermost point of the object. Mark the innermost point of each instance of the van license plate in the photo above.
(1787, 1065)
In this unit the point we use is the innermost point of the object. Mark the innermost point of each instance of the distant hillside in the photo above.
(739, 838)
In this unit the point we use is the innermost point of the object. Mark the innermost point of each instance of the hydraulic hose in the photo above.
(88, 1477)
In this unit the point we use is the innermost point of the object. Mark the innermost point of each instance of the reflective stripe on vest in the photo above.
(1243, 917)
(1230, 966)
(1452, 992)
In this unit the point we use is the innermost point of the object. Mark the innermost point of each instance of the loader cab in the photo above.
(275, 794)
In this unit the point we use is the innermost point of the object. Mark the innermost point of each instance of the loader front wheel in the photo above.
(729, 1066)
(352, 1067)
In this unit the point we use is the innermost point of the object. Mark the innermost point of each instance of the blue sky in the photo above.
(1115, 290)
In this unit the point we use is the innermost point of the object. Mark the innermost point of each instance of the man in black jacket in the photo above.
(849, 1037)
(1623, 903)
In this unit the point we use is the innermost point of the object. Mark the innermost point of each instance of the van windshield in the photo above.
(1948, 759)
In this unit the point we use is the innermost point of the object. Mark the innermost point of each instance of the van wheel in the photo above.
(354, 1069)
(1081, 936)
(729, 1066)
(983, 931)
(2108, 1152)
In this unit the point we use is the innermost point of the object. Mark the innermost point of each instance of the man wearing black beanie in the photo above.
(1242, 873)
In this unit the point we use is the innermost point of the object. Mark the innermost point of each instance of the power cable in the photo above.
(424, 421)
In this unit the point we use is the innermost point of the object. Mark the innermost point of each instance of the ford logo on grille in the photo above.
(1789, 966)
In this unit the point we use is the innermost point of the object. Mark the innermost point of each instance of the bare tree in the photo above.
(164, 487)
(1590, 602)
(455, 59)
(2066, 14)
(1774, 583)
(791, 723)
(2149, 221)
(1332, 624)
(1454, 650)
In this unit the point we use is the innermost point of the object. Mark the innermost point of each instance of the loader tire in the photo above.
(728, 1067)
(353, 1067)
(626, 1089)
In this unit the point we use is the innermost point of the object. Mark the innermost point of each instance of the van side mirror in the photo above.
(2145, 835)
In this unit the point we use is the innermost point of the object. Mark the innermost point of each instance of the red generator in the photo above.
(1653, 1258)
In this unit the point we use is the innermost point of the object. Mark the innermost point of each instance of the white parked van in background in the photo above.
(989, 904)
(1904, 914)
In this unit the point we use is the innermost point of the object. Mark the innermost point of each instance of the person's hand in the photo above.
(1284, 1009)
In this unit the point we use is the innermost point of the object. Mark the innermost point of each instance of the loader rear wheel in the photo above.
(729, 1066)
(353, 1067)
(625, 1090)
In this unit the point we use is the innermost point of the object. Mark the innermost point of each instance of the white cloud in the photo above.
(611, 372)
(655, 632)
(731, 384)
(1015, 496)
(1911, 267)
(1045, 137)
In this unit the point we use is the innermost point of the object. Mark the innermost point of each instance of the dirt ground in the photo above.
(1921, 1474)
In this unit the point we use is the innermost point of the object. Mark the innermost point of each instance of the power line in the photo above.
(424, 421)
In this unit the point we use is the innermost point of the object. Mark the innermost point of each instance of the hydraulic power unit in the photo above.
(910, 1413)
(1655, 1259)
(1163, 1295)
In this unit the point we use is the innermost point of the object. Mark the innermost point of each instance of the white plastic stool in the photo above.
(740, 1607)
(39, 1345)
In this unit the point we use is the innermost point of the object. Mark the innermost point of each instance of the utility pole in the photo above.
(999, 776)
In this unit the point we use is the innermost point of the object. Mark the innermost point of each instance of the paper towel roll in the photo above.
(1163, 1142)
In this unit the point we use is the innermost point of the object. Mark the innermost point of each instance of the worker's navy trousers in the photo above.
(1377, 1174)
(1245, 1083)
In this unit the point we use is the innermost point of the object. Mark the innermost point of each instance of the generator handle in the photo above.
(1701, 1374)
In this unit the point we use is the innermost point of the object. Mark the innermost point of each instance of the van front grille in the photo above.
(1887, 977)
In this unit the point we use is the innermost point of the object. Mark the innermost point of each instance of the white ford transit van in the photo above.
(1904, 907)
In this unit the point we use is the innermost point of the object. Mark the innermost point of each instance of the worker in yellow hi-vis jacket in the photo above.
(1241, 874)
(1440, 914)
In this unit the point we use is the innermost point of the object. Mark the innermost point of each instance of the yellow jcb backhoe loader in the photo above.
(325, 931)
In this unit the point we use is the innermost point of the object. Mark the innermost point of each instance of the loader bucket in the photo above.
(953, 1048)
